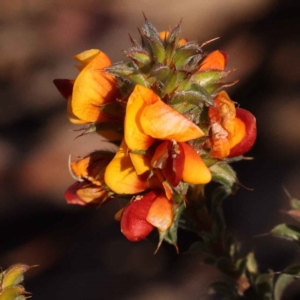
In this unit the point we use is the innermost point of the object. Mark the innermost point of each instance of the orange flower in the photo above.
(149, 120)
(92, 87)
(154, 138)
(228, 130)
(90, 189)
(92, 167)
(85, 193)
(215, 60)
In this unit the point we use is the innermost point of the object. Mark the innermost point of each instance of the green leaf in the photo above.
(14, 275)
(174, 35)
(214, 87)
(282, 282)
(171, 83)
(295, 203)
(224, 174)
(184, 53)
(206, 78)
(11, 293)
(292, 270)
(264, 285)
(123, 69)
(170, 235)
(251, 263)
(286, 231)
(161, 73)
(139, 56)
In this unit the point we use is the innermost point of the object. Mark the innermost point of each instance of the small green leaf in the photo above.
(206, 78)
(140, 57)
(251, 263)
(185, 52)
(12, 292)
(123, 69)
(170, 235)
(292, 270)
(286, 231)
(224, 174)
(173, 37)
(264, 285)
(171, 83)
(282, 282)
(295, 203)
(14, 275)
(214, 87)
(161, 72)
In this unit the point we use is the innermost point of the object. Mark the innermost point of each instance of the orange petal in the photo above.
(215, 60)
(92, 88)
(194, 171)
(160, 121)
(73, 119)
(160, 214)
(220, 148)
(135, 137)
(92, 167)
(120, 175)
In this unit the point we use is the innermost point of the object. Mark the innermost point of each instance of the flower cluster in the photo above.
(174, 125)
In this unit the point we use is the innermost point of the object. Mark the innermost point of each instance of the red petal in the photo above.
(248, 141)
(133, 222)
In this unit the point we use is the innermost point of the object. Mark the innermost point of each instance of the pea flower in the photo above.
(90, 187)
(156, 137)
(172, 126)
(233, 130)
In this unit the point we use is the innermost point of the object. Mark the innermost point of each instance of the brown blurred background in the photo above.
(80, 251)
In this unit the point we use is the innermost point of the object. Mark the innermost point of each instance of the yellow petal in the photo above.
(93, 88)
(194, 170)
(140, 162)
(135, 137)
(87, 56)
(120, 175)
(160, 214)
(160, 121)
(239, 132)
